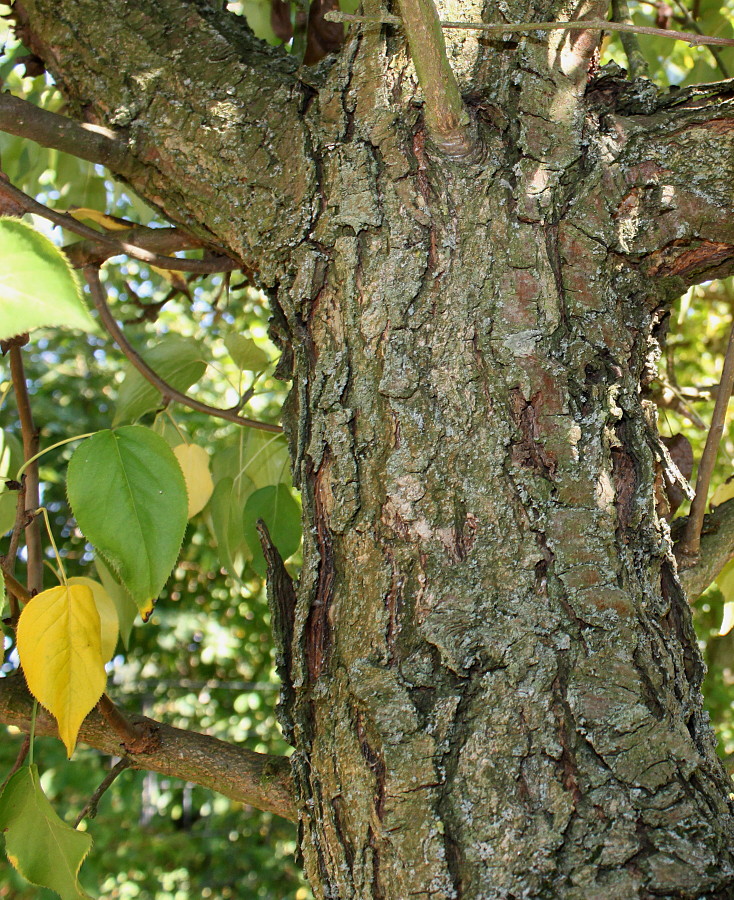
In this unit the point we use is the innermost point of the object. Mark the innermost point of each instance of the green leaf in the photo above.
(280, 512)
(257, 13)
(176, 359)
(261, 457)
(38, 287)
(11, 459)
(226, 517)
(128, 495)
(44, 849)
(245, 353)
(256, 461)
(124, 603)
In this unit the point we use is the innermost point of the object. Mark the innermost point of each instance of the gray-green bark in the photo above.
(494, 682)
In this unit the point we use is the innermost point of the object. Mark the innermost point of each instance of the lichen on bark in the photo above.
(494, 683)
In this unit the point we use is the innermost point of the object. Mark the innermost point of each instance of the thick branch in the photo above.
(717, 549)
(91, 142)
(212, 115)
(667, 203)
(254, 778)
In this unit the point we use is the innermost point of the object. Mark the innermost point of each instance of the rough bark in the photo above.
(494, 685)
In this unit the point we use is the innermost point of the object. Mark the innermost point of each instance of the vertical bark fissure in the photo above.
(512, 665)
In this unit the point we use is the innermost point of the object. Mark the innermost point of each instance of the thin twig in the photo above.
(19, 760)
(688, 547)
(90, 808)
(692, 23)
(156, 240)
(15, 587)
(29, 433)
(91, 273)
(694, 40)
(636, 61)
(447, 120)
(200, 266)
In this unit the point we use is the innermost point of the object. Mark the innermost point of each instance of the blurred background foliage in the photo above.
(205, 659)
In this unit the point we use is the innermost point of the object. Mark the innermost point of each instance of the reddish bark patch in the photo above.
(318, 626)
(528, 452)
(625, 484)
(679, 258)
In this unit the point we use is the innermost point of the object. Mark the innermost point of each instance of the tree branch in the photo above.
(161, 241)
(211, 110)
(91, 142)
(694, 40)
(117, 245)
(688, 548)
(447, 120)
(91, 273)
(636, 61)
(257, 779)
(717, 549)
(669, 198)
(31, 488)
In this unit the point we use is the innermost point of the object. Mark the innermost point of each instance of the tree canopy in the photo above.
(158, 501)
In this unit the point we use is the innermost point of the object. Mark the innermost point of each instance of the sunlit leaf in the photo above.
(11, 459)
(128, 494)
(245, 353)
(194, 462)
(126, 608)
(59, 645)
(38, 287)
(723, 493)
(176, 359)
(280, 512)
(259, 457)
(108, 619)
(44, 849)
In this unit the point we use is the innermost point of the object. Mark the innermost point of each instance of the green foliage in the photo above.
(176, 359)
(128, 494)
(38, 287)
(675, 62)
(205, 658)
(275, 505)
(42, 847)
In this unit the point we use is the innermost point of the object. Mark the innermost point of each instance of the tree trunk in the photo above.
(492, 680)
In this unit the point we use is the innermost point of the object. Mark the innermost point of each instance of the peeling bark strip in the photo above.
(318, 629)
(495, 677)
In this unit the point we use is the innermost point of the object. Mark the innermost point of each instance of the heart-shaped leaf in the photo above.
(128, 494)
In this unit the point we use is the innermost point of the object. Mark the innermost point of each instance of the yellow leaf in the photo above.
(109, 623)
(194, 462)
(723, 492)
(109, 223)
(59, 644)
